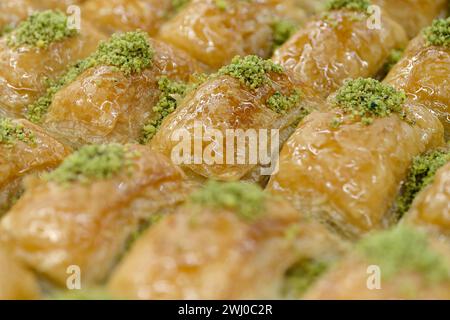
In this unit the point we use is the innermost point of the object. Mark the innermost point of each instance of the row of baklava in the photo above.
(347, 165)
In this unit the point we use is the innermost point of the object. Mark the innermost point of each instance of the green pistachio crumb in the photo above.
(177, 5)
(282, 31)
(357, 5)
(251, 70)
(93, 162)
(41, 29)
(129, 52)
(245, 199)
(171, 93)
(301, 276)
(438, 34)
(404, 249)
(282, 104)
(421, 174)
(367, 99)
(11, 132)
(221, 4)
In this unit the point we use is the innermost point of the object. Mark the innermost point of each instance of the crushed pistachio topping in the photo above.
(367, 99)
(251, 70)
(301, 276)
(282, 104)
(11, 132)
(282, 31)
(177, 5)
(93, 162)
(404, 249)
(421, 174)
(171, 92)
(128, 52)
(357, 5)
(245, 199)
(41, 29)
(438, 34)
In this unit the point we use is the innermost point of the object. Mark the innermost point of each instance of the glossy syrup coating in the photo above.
(22, 158)
(424, 74)
(14, 11)
(55, 4)
(26, 70)
(431, 208)
(413, 15)
(206, 253)
(311, 7)
(223, 103)
(214, 35)
(338, 46)
(348, 281)
(105, 105)
(16, 282)
(414, 271)
(54, 226)
(348, 176)
(112, 16)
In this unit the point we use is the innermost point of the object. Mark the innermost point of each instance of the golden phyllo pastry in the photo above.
(213, 32)
(339, 45)
(244, 97)
(25, 149)
(219, 245)
(127, 15)
(82, 213)
(424, 71)
(16, 282)
(431, 208)
(413, 15)
(345, 166)
(397, 264)
(36, 53)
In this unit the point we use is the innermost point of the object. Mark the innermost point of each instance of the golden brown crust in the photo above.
(222, 103)
(112, 16)
(55, 4)
(424, 74)
(22, 159)
(16, 282)
(413, 15)
(350, 280)
(337, 47)
(349, 176)
(214, 36)
(14, 11)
